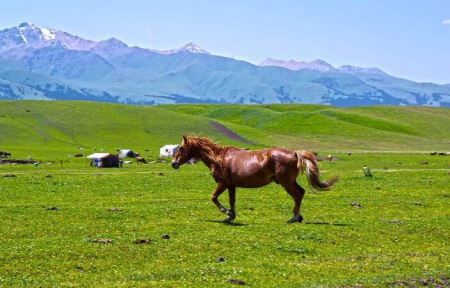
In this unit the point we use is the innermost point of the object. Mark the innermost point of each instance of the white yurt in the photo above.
(168, 150)
(123, 153)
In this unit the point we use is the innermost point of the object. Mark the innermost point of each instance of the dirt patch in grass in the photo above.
(9, 175)
(100, 240)
(115, 209)
(142, 241)
(442, 281)
(236, 282)
(229, 133)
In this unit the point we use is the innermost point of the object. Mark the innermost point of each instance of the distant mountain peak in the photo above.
(317, 64)
(27, 33)
(30, 35)
(29, 25)
(321, 65)
(190, 47)
(36, 31)
(361, 70)
(320, 61)
(26, 24)
(114, 42)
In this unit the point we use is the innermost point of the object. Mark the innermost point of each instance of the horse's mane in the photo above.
(206, 146)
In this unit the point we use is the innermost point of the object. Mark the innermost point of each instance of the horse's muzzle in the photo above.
(175, 165)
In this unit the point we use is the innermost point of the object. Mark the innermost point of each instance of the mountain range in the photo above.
(48, 64)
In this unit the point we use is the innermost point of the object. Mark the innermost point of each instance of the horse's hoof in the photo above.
(295, 219)
(228, 220)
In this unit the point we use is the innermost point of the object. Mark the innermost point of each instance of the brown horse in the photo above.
(232, 167)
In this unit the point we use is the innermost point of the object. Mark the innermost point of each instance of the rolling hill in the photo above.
(45, 64)
(57, 128)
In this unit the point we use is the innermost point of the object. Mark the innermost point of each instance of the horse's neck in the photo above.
(209, 158)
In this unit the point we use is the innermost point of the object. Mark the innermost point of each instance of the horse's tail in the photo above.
(307, 163)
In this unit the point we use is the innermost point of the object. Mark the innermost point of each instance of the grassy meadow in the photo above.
(64, 223)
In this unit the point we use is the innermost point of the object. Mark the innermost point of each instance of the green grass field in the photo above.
(51, 215)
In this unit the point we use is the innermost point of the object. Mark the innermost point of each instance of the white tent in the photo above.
(98, 155)
(102, 160)
(168, 150)
(126, 153)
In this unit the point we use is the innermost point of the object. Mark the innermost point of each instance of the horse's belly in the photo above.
(254, 184)
(252, 180)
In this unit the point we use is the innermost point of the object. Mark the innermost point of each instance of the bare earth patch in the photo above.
(142, 241)
(101, 241)
(443, 281)
(229, 133)
(236, 282)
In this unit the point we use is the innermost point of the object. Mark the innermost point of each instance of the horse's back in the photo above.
(262, 157)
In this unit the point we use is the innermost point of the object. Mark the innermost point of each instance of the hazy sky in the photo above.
(406, 38)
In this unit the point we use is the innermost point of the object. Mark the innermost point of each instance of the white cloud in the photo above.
(446, 22)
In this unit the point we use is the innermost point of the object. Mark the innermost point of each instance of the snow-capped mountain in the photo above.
(25, 34)
(43, 63)
(187, 48)
(31, 35)
(318, 64)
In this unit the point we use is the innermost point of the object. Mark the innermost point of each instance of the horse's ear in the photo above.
(184, 140)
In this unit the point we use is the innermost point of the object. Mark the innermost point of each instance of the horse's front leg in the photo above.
(232, 212)
(215, 197)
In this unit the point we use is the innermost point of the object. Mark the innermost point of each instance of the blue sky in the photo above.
(406, 38)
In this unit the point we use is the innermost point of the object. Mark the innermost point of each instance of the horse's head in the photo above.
(183, 154)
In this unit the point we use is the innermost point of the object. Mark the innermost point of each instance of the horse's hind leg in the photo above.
(232, 212)
(301, 193)
(297, 194)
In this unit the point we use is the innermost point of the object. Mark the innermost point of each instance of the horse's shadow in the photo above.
(225, 223)
(306, 223)
(326, 223)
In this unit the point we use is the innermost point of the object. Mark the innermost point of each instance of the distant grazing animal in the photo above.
(232, 167)
(140, 160)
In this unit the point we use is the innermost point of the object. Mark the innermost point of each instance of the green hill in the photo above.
(58, 128)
